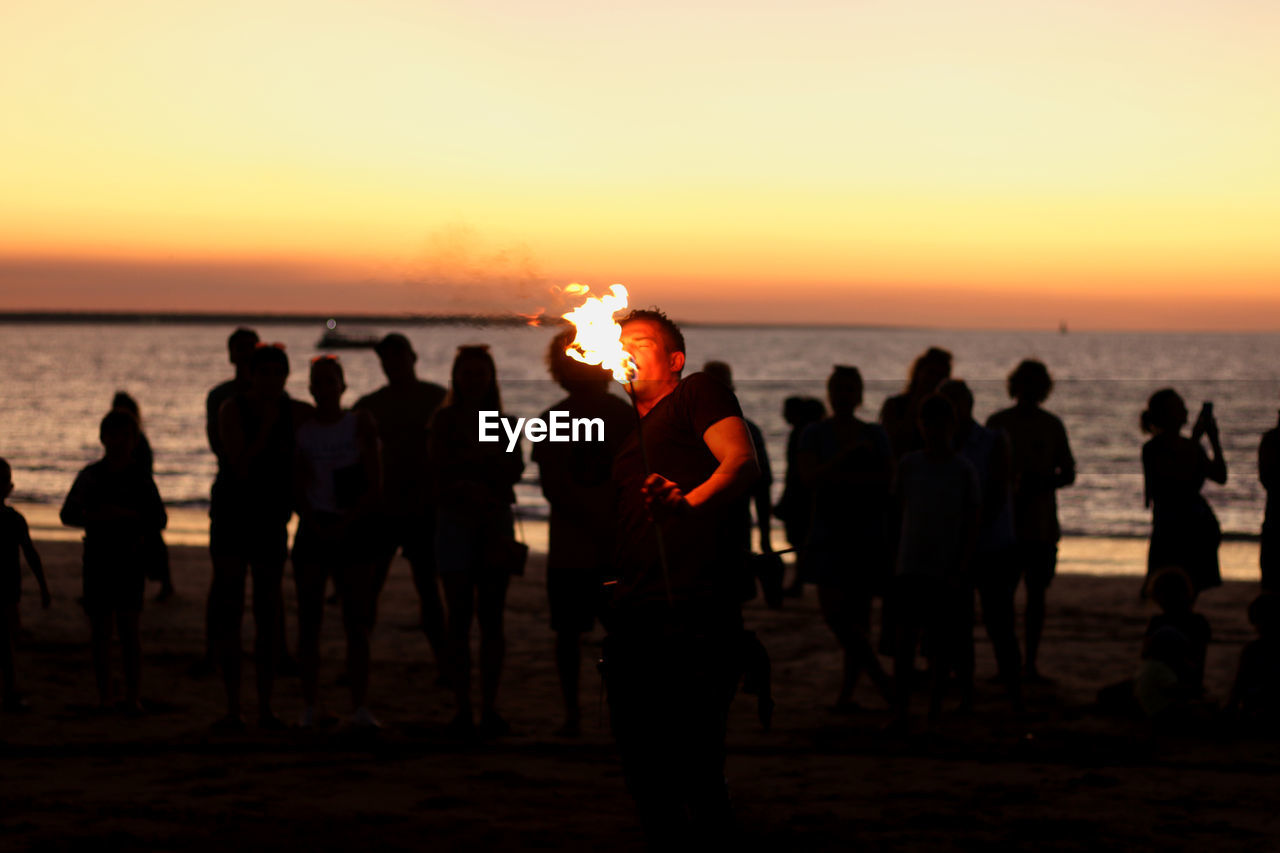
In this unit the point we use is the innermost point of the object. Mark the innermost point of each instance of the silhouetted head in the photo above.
(240, 346)
(802, 411)
(1264, 613)
(327, 381)
(1172, 591)
(937, 422)
(6, 479)
(569, 373)
(473, 380)
(1030, 382)
(720, 371)
(844, 390)
(268, 370)
(1165, 412)
(124, 400)
(397, 357)
(929, 369)
(119, 433)
(960, 397)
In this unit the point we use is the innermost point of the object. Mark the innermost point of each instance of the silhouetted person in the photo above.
(156, 552)
(900, 414)
(994, 570)
(1184, 530)
(240, 346)
(1042, 464)
(15, 542)
(248, 533)
(761, 499)
(672, 657)
(1171, 674)
(848, 466)
(795, 507)
(1255, 694)
(1269, 474)
(940, 498)
(116, 502)
(474, 493)
(575, 481)
(336, 484)
(402, 410)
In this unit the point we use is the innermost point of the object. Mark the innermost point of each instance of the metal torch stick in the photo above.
(657, 527)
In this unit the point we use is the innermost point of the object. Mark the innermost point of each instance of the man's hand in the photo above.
(663, 498)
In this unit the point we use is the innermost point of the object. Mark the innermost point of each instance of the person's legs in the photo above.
(100, 639)
(417, 534)
(309, 579)
(996, 591)
(358, 589)
(906, 608)
(131, 653)
(460, 597)
(226, 609)
(568, 667)
(491, 600)
(8, 674)
(1040, 562)
(267, 568)
(848, 615)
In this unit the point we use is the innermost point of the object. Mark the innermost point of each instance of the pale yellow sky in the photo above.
(868, 158)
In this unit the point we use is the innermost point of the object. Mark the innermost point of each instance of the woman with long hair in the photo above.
(474, 492)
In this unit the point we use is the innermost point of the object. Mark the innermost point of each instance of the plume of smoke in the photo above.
(459, 270)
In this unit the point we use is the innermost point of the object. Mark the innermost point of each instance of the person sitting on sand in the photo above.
(1269, 475)
(116, 502)
(1255, 695)
(1171, 672)
(15, 539)
(336, 487)
(940, 501)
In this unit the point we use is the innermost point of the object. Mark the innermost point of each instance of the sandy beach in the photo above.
(1064, 779)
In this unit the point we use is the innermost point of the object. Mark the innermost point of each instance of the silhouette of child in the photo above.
(117, 503)
(1255, 695)
(156, 551)
(940, 499)
(14, 538)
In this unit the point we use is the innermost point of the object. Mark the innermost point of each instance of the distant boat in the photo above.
(1062, 327)
(334, 338)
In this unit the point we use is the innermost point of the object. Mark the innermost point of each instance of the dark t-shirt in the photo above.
(212, 404)
(98, 486)
(403, 416)
(265, 493)
(575, 480)
(701, 550)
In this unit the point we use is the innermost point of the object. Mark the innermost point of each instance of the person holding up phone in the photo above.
(1184, 530)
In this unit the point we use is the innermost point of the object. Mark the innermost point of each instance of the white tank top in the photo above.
(328, 449)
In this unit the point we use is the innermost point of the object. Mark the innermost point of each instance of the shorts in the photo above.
(412, 535)
(253, 540)
(113, 582)
(1037, 562)
(322, 542)
(461, 540)
(575, 596)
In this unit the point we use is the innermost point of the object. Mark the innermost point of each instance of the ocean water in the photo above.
(58, 379)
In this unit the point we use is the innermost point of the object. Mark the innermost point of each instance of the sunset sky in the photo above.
(983, 164)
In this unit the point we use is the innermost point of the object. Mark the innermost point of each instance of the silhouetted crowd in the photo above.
(651, 529)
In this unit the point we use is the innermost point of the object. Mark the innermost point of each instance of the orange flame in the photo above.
(599, 338)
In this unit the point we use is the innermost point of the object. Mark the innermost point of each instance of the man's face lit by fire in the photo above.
(656, 366)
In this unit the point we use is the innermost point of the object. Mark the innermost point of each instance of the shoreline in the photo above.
(1104, 556)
